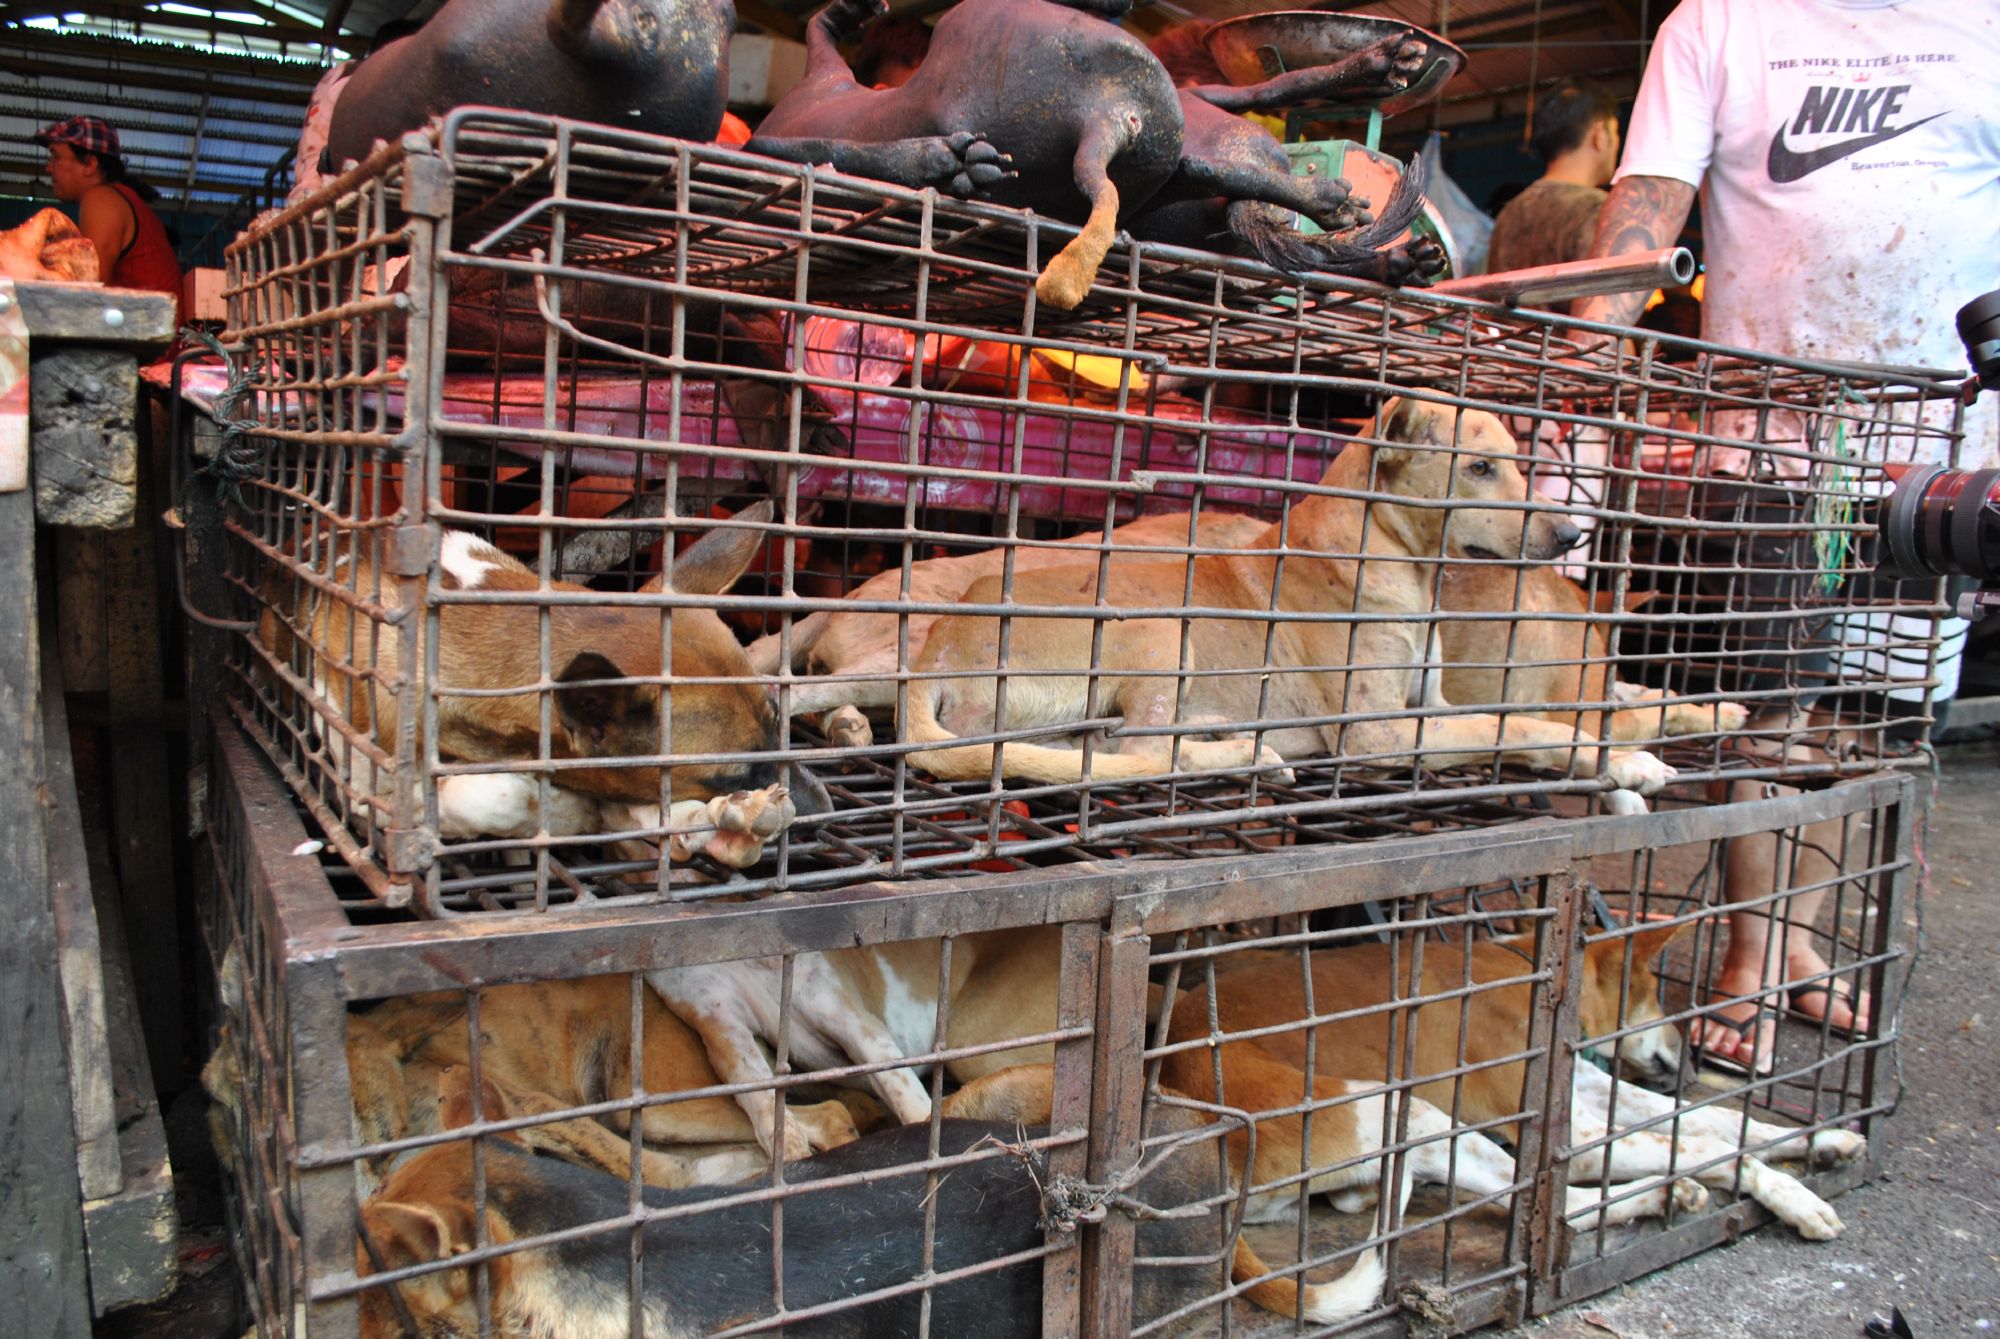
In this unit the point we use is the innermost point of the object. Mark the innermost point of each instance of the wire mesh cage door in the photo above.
(1745, 1146)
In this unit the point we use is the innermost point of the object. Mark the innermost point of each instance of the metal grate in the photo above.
(602, 354)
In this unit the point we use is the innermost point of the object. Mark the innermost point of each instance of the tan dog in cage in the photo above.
(1567, 659)
(854, 643)
(1265, 989)
(1359, 575)
(344, 649)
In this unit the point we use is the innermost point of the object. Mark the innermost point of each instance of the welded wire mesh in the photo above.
(611, 477)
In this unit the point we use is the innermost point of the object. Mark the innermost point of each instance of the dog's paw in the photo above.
(1690, 1195)
(1832, 1147)
(846, 18)
(1362, 1199)
(965, 164)
(1273, 764)
(1731, 717)
(848, 728)
(1819, 1222)
(1641, 772)
(797, 1143)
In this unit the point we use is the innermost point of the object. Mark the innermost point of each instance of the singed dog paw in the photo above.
(848, 728)
(965, 164)
(1641, 772)
(1394, 62)
(846, 18)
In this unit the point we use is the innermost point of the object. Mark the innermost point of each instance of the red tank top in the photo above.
(148, 261)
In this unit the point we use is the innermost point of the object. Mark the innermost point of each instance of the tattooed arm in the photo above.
(1643, 214)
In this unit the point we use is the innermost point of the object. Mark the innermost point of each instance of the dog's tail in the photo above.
(1268, 233)
(1025, 762)
(1348, 1296)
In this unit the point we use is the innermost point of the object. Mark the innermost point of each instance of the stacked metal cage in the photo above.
(575, 450)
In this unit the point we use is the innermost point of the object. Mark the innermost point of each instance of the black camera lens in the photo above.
(1943, 522)
(1979, 330)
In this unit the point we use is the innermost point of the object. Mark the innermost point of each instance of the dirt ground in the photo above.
(1926, 1237)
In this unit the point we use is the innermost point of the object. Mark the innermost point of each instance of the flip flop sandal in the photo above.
(1792, 1010)
(1746, 1027)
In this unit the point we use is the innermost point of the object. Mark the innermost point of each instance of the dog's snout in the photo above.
(1568, 535)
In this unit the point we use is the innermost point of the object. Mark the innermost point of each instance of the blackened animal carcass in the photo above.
(1088, 118)
(660, 66)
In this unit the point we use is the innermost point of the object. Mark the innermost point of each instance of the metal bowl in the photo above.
(1256, 47)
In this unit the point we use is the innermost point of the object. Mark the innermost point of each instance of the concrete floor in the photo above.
(1926, 1238)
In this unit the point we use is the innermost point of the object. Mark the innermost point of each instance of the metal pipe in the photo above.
(1666, 268)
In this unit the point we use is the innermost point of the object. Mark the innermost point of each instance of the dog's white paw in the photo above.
(1731, 717)
(1819, 1223)
(1690, 1195)
(1831, 1147)
(1639, 771)
(848, 728)
(1273, 762)
(1360, 1200)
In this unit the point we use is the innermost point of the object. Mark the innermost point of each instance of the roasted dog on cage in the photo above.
(1091, 124)
(337, 637)
(1349, 556)
(1263, 990)
(853, 643)
(545, 1047)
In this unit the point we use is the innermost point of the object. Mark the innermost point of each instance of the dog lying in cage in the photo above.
(710, 1270)
(1520, 662)
(330, 627)
(854, 643)
(545, 1047)
(1349, 555)
(1263, 990)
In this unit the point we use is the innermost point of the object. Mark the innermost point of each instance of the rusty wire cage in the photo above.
(605, 477)
(1440, 998)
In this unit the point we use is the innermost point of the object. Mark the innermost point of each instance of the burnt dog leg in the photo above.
(1327, 201)
(1379, 72)
(962, 163)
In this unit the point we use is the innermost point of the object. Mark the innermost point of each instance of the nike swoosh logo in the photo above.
(1785, 165)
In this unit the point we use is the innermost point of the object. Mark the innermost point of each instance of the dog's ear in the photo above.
(1401, 420)
(716, 561)
(1635, 600)
(1649, 943)
(413, 1234)
(594, 714)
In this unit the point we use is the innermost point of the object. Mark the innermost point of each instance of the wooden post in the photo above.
(44, 1283)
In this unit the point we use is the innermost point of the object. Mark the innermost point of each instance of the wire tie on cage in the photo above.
(239, 455)
(1833, 508)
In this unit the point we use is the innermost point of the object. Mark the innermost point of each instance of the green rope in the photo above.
(1835, 505)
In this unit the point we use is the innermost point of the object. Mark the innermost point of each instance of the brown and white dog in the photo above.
(869, 1005)
(1432, 462)
(1263, 989)
(545, 1047)
(343, 645)
(848, 645)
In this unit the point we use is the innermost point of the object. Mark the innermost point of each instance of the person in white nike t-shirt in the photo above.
(1848, 156)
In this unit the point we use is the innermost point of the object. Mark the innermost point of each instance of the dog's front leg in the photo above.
(710, 1003)
(1460, 741)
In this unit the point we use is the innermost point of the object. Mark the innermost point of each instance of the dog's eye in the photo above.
(1479, 468)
